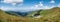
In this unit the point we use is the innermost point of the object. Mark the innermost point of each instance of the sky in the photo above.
(28, 5)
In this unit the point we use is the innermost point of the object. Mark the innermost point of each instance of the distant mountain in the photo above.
(11, 13)
(17, 13)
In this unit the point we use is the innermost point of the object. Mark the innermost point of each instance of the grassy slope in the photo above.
(46, 12)
(52, 15)
(9, 18)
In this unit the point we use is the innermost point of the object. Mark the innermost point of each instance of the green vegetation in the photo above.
(50, 15)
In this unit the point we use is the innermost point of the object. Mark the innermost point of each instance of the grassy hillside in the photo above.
(51, 15)
(50, 11)
(9, 18)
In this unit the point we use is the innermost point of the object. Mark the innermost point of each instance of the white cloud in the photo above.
(12, 8)
(6, 8)
(18, 9)
(36, 5)
(13, 2)
(47, 7)
(52, 1)
(40, 4)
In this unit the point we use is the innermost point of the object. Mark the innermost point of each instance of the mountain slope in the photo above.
(51, 15)
(10, 18)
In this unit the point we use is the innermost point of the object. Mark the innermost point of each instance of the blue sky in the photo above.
(28, 5)
(34, 2)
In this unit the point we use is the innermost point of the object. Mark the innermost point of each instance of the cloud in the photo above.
(52, 1)
(21, 9)
(41, 6)
(33, 8)
(12, 8)
(36, 5)
(13, 2)
(6, 8)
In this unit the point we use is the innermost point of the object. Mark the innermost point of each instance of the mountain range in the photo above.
(49, 15)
